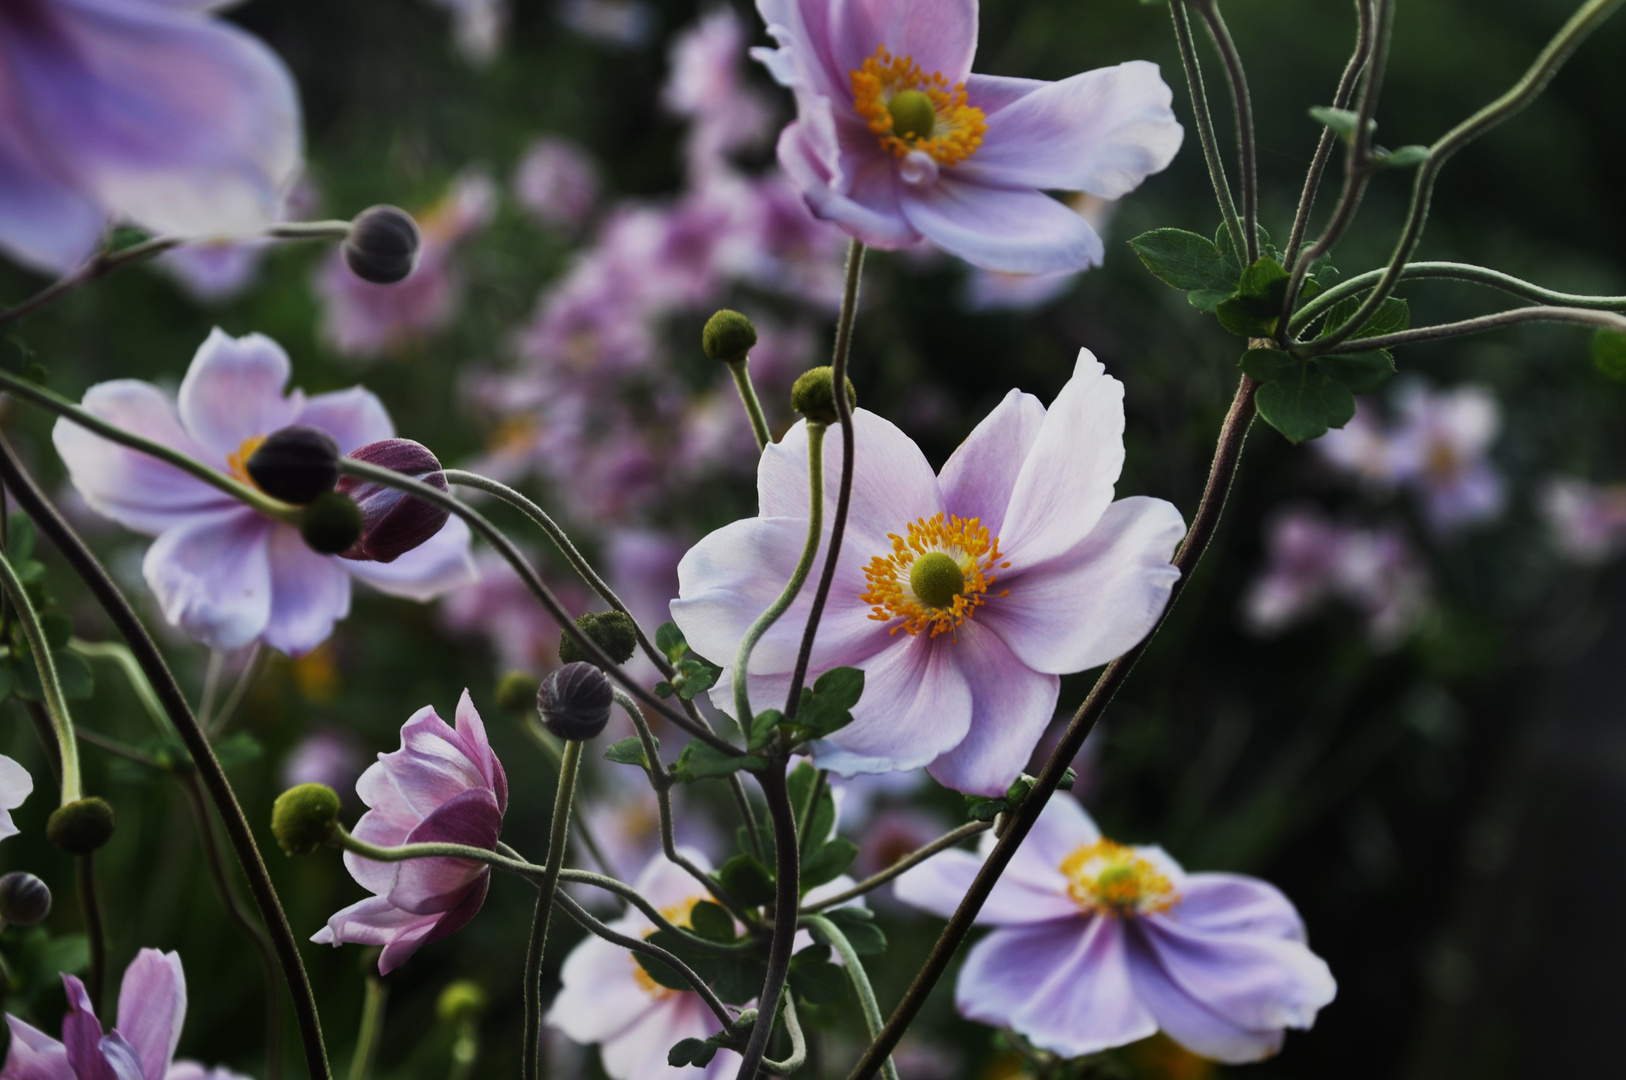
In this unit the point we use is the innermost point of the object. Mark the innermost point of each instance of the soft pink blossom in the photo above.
(707, 86)
(331, 757)
(1587, 522)
(556, 182)
(501, 608)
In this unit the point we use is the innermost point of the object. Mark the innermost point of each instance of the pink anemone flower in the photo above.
(1102, 944)
(141, 1046)
(895, 139)
(964, 596)
(223, 573)
(445, 785)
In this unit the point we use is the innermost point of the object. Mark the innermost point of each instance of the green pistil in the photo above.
(913, 115)
(936, 579)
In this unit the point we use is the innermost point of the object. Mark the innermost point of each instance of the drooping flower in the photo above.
(223, 573)
(895, 139)
(157, 114)
(141, 1046)
(1099, 944)
(963, 596)
(15, 786)
(1587, 521)
(445, 785)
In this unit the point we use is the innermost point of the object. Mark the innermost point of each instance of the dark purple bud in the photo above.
(295, 464)
(393, 522)
(574, 701)
(24, 899)
(383, 245)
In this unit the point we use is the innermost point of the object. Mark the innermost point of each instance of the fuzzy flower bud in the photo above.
(515, 691)
(24, 899)
(383, 245)
(461, 1002)
(295, 464)
(574, 702)
(304, 817)
(393, 522)
(82, 826)
(813, 396)
(728, 336)
(612, 631)
(330, 523)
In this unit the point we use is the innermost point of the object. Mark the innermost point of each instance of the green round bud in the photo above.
(613, 631)
(913, 115)
(24, 899)
(728, 336)
(330, 523)
(304, 817)
(516, 691)
(461, 1002)
(936, 579)
(82, 826)
(813, 397)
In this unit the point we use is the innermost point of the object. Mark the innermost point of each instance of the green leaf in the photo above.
(238, 749)
(1302, 402)
(670, 640)
(629, 751)
(1361, 372)
(737, 979)
(695, 675)
(1207, 299)
(747, 880)
(701, 761)
(763, 727)
(1257, 305)
(1187, 261)
(823, 819)
(697, 1052)
(72, 674)
(858, 925)
(826, 706)
(815, 979)
(20, 538)
(828, 862)
(1342, 121)
(983, 808)
(712, 922)
(661, 973)
(1222, 240)
(58, 628)
(1609, 354)
(1392, 316)
(1404, 158)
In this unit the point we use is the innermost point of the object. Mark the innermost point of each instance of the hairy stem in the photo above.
(748, 398)
(372, 1029)
(908, 862)
(859, 978)
(90, 905)
(1602, 319)
(1205, 124)
(787, 896)
(1246, 155)
(547, 889)
(56, 706)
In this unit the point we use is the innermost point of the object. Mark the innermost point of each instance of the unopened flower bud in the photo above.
(394, 522)
(461, 1002)
(574, 701)
(304, 817)
(612, 631)
(813, 396)
(383, 245)
(728, 336)
(295, 464)
(515, 691)
(24, 899)
(330, 523)
(82, 826)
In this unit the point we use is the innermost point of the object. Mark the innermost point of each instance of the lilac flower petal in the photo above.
(137, 491)
(460, 914)
(1232, 903)
(1189, 1021)
(916, 705)
(1102, 131)
(35, 1055)
(354, 417)
(15, 786)
(639, 1051)
(375, 921)
(309, 593)
(437, 566)
(428, 886)
(865, 204)
(152, 1006)
(802, 28)
(234, 391)
(430, 768)
(1095, 603)
(471, 734)
(941, 37)
(980, 475)
(1011, 705)
(121, 1057)
(82, 1034)
(941, 882)
(212, 577)
(1017, 231)
(991, 93)
(43, 223)
(599, 995)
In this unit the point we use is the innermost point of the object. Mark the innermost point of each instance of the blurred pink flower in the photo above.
(706, 85)
(444, 785)
(478, 27)
(1100, 944)
(896, 139)
(624, 24)
(1587, 521)
(556, 183)
(224, 574)
(329, 757)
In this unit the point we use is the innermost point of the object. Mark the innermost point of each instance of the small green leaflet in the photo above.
(1303, 398)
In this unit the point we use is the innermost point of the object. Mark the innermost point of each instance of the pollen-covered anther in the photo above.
(935, 577)
(237, 463)
(1113, 879)
(912, 111)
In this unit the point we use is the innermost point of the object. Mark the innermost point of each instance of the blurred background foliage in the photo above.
(1447, 813)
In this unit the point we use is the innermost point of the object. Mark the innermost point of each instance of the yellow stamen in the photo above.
(237, 463)
(888, 92)
(678, 915)
(1112, 879)
(895, 586)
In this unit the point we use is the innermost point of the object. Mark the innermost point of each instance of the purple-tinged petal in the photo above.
(44, 223)
(430, 768)
(1067, 480)
(471, 733)
(859, 195)
(121, 1057)
(1096, 602)
(233, 391)
(212, 577)
(82, 1034)
(980, 475)
(1013, 230)
(15, 786)
(991, 93)
(434, 568)
(940, 883)
(916, 705)
(1189, 1021)
(137, 491)
(1011, 705)
(35, 1055)
(599, 994)
(429, 886)
(1235, 904)
(394, 521)
(941, 37)
(375, 921)
(152, 1006)
(455, 919)
(355, 417)
(309, 593)
(804, 59)
(1102, 131)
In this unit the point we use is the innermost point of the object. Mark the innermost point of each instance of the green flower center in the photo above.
(936, 579)
(913, 114)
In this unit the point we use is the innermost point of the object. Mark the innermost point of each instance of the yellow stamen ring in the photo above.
(910, 110)
(678, 915)
(237, 463)
(1112, 879)
(936, 577)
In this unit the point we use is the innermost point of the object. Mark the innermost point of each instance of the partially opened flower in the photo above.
(157, 114)
(895, 139)
(1101, 944)
(963, 596)
(15, 786)
(445, 785)
(222, 572)
(141, 1046)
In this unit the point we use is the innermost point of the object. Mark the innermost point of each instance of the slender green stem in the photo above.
(540, 735)
(798, 1045)
(124, 618)
(1246, 154)
(90, 906)
(1453, 271)
(371, 1033)
(1324, 145)
(465, 1050)
(56, 706)
(239, 690)
(1205, 124)
(547, 889)
(860, 980)
(748, 397)
(1586, 19)
(787, 897)
(804, 819)
(804, 564)
(908, 862)
(1603, 319)
(126, 662)
(211, 689)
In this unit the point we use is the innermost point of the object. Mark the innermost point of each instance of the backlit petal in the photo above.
(1013, 230)
(212, 577)
(234, 391)
(1011, 705)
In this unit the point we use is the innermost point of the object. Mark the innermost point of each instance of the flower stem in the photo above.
(805, 818)
(1205, 124)
(1233, 433)
(908, 862)
(859, 978)
(239, 690)
(126, 662)
(1604, 319)
(748, 398)
(787, 897)
(547, 888)
(90, 906)
(123, 616)
(371, 1032)
(550, 746)
(1246, 154)
(56, 706)
(798, 577)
